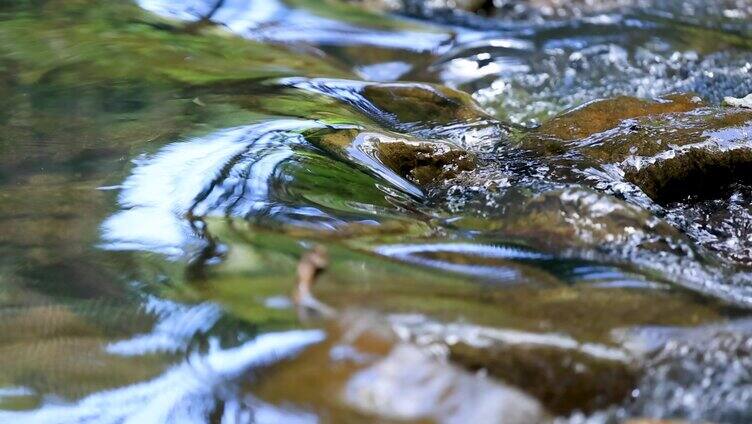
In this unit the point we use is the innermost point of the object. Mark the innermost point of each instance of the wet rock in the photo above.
(668, 155)
(422, 110)
(601, 115)
(420, 161)
(673, 156)
(682, 155)
(424, 163)
(424, 103)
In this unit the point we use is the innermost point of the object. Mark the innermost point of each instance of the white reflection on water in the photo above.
(384, 72)
(176, 326)
(425, 331)
(271, 20)
(163, 188)
(187, 393)
(234, 172)
(420, 254)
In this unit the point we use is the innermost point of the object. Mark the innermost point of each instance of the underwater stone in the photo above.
(371, 371)
(409, 383)
(563, 381)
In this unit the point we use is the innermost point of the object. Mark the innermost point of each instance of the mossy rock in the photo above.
(424, 103)
(671, 148)
(604, 114)
(679, 157)
(423, 162)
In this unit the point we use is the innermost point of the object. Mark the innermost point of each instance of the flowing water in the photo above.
(523, 221)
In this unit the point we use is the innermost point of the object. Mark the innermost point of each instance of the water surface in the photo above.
(164, 167)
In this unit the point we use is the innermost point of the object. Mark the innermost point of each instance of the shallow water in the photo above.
(164, 167)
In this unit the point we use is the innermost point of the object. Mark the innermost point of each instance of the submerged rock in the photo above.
(423, 110)
(562, 373)
(374, 374)
(424, 103)
(536, 341)
(562, 380)
(411, 384)
(579, 218)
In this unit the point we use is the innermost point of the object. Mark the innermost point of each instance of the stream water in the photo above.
(534, 212)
